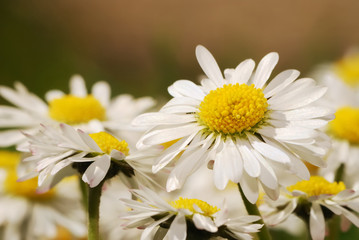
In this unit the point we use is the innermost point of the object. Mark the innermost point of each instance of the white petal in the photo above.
(228, 165)
(189, 162)
(243, 72)
(317, 222)
(250, 187)
(178, 228)
(282, 214)
(77, 86)
(264, 69)
(268, 150)
(187, 88)
(102, 92)
(281, 81)
(149, 119)
(169, 134)
(10, 137)
(296, 98)
(96, 172)
(209, 65)
(147, 233)
(250, 162)
(53, 94)
(204, 223)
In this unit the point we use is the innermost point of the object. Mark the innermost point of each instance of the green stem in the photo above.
(84, 193)
(334, 228)
(252, 209)
(94, 196)
(339, 174)
(334, 223)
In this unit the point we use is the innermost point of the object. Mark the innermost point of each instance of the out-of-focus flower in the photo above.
(315, 201)
(111, 210)
(26, 214)
(183, 217)
(96, 156)
(93, 112)
(342, 80)
(252, 129)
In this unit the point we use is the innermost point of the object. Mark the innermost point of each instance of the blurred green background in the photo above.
(141, 47)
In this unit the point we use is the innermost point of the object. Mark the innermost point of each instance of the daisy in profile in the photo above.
(26, 214)
(315, 201)
(342, 79)
(96, 156)
(251, 126)
(91, 112)
(184, 218)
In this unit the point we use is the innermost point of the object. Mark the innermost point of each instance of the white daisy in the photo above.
(60, 153)
(91, 112)
(342, 79)
(111, 210)
(315, 201)
(26, 214)
(252, 129)
(182, 217)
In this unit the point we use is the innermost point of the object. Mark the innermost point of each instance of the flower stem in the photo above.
(84, 193)
(94, 196)
(252, 209)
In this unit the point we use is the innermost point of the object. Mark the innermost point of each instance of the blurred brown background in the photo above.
(141, 47)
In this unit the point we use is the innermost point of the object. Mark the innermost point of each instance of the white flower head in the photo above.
(60, 152)
(251, 127)
(151, 212)
(342, 79)
(26, 214)
(315, 201)
(92, 112)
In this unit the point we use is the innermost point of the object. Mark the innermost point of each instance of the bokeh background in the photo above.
(141, 47)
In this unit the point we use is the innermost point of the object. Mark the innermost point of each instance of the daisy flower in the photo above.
(342, 79)
(252, 127)
(25, 214)
(184, 217)
(315, 201)
(61, 153)
(91, 112)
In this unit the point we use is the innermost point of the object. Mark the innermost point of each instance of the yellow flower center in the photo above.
(107, 143)
(316, 186)
(348, 69)
(186, 203)
(346, 124)
(26, 189)
(75, 110)
(9, 160)
(233, 108)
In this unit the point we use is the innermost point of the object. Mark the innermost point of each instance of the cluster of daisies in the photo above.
(194, 168)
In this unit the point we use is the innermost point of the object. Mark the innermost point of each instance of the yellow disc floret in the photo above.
(233, 108)
(107, 143)
(186, 203)
(9, 159)
(75, 110)
(26, 189)
(346, 124)
(348, 69)
(316, 186)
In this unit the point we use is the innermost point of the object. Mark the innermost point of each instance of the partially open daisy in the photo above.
(250, 127)
(177, 219)
(59, 153)
(26, 214)
(315, 201)
(91, 112)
